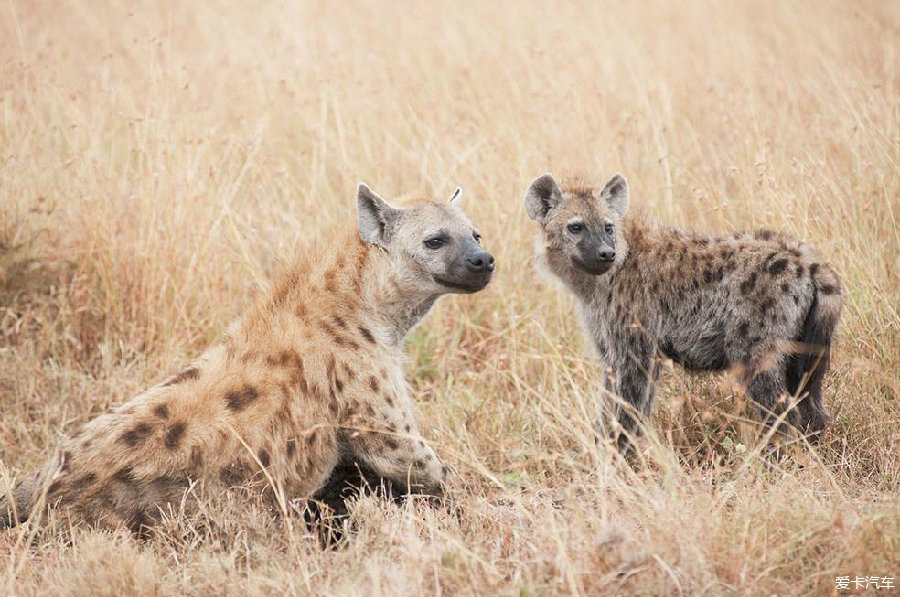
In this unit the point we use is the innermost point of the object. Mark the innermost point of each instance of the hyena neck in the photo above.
(395, 303)
(359, 281)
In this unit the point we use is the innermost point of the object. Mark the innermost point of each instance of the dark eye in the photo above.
(477, 237)
(609, 228)
(576, 228)
(434, 243)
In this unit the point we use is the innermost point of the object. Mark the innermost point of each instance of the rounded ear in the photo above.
(375, 215)
(542, 196)
(615, 193)
(456, 198)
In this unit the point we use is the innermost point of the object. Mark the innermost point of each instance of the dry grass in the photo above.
(159, 162)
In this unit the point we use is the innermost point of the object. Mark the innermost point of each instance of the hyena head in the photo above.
(432, 245)
(581, 224)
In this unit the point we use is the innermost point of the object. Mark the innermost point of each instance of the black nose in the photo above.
(607, 255)
(480, 262)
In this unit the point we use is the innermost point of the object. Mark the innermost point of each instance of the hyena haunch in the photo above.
(757, 302)
(310, 381)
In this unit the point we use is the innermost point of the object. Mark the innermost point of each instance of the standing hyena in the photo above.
(758, 302)
(310, 377)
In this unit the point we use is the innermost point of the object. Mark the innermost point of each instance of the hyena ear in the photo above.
(456, 198)
(375, 216)
(542, 196)
(615, 193)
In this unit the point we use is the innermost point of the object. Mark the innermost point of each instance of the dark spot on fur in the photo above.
(767, 305)
(800, 271)
(708, 276)
(186, 375)
(264, 457)
(291, 447)
(373, 383)
(54, 487)
(136, 434)
(339, 321)
(407, 428)
(742, 329)
(161, 411)
(391, 443)
(778, 266)
(829, 289)
(389, 399)
(339, 384)
(765, 235)
(83, 483)
(367, 334)
(174, 434)
(238, 400)
(785, 287)
(749, 284)
(124, 475)
(234, 474)
(66, 462)
(196, 459)
(814, 269)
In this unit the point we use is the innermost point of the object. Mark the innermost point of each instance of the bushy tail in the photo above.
(809, 363)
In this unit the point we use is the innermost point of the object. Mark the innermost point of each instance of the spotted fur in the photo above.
(760, 303)
(311, 376)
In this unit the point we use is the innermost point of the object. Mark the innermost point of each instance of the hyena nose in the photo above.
(480, 262)
(607, 255)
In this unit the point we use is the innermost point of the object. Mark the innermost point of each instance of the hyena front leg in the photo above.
(635, 381)
(394, 450)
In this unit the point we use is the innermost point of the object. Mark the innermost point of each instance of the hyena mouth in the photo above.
(473, 284)
(593, 267)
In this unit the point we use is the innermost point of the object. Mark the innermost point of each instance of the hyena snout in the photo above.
(594, 255)
(480, 262)
(470, 270)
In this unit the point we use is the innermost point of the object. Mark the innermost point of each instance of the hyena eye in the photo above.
(575, 227)
(609, 228)
(477, 237)
(434, 243)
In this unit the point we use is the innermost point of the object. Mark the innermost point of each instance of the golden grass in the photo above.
(159, 162)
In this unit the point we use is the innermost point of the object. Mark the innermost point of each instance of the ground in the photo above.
(159, 162)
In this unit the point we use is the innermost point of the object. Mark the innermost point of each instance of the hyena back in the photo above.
(760, 303)
(311, 377)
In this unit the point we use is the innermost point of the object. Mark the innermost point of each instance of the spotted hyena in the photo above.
(758, 302)
(310, 378)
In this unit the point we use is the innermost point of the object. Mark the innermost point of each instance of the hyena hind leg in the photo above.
(806, 384)
(768, 391)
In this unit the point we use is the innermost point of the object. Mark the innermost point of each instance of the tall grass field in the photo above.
(161, 162)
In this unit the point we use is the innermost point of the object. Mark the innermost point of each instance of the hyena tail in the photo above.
(810, 361)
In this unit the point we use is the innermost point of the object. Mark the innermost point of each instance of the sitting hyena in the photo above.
(310, 377)
(760, 303)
